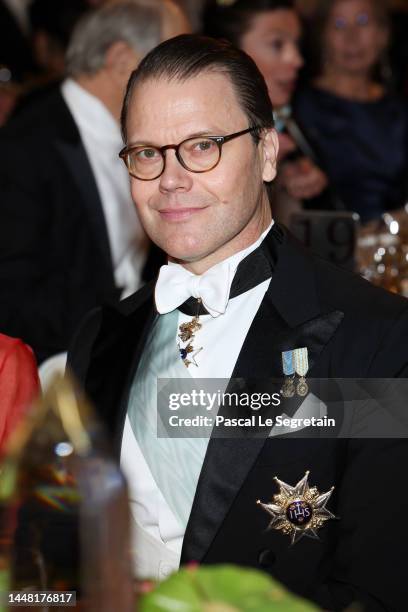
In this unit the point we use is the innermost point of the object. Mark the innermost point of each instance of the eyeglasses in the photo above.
(199, 154)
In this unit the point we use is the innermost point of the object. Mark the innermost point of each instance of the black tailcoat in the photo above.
(351, 329)
(55, 260)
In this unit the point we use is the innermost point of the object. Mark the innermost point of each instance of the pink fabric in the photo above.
(19, 384)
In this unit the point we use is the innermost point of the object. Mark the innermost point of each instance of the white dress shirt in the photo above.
(100, 135)
(157, 534)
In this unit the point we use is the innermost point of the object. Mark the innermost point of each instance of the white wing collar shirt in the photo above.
(160, 510)
(100, 135)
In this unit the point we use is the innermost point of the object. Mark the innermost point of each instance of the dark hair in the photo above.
(189, 55)
(56, 17)
(232, 22)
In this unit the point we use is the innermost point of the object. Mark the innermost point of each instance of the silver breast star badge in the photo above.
(298, 511)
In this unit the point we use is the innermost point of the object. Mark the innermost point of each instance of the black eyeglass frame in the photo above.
(219, 140)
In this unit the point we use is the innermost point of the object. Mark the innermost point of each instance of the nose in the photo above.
(297, 58)
(351, 33)
(294, 57)
(174, 177)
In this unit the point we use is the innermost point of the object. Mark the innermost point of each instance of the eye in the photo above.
(146, 155)
(362, 19)
(201, 147)
(340, 23)
(277, 44)
(205, 145)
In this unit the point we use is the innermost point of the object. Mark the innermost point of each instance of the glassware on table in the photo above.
(64, 514)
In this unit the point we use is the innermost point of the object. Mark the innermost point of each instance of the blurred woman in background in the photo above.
(357, 126)
(269, 31)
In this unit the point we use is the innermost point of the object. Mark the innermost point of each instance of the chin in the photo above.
(184, 249)
(279, 100)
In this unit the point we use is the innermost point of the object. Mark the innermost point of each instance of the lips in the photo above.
(288, 85)
(179, 214)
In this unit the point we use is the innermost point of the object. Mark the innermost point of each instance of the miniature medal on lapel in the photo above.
(186, 335)
(295, 362)
(288, 389)
(298, 511)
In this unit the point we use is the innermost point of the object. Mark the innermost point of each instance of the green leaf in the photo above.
(223, 588)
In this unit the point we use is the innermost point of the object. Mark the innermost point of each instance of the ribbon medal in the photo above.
(288, 389)
(298, 511)
(301, 365)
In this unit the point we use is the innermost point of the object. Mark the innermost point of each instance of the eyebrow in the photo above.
(192, 135)
(284, 33)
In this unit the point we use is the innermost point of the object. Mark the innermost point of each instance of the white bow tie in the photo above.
(175, 285)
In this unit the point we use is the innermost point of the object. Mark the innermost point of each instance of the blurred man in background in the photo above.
(51, 26)
(70, 236)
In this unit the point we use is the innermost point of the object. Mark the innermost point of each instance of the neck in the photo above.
(99, 86)
(250, 234)
(359, 87)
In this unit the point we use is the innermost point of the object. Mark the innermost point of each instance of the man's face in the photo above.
(200, 218)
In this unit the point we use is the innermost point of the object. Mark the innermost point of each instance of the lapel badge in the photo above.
(295, 362)
(301, 366)
(288, 388)
(298, 511)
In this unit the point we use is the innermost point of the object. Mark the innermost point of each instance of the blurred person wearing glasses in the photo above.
(238, 290)
(70, 236)
(350, 114)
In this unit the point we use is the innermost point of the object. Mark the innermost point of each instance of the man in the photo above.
(70, 235)
(200, 148)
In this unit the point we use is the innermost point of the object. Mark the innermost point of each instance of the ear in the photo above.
(121, 60)
(269, 150)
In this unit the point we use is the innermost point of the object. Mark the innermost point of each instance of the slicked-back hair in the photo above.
(232, 22)
(189, 55)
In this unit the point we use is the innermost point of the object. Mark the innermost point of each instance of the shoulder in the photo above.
(373, 319)
(105, 325)
(47, 116)
(308, 100)
(350, 292)
(14, 354)
(19, 383)
(375, 323)
(29, 141)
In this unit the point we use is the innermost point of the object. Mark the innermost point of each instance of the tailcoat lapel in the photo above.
(289, 317)
(115, 355)
(69, 147)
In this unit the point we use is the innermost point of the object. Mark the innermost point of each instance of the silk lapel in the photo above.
(115, 356)
(77, 162)
(289, 317)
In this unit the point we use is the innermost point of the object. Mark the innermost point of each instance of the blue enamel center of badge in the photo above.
(299, 513)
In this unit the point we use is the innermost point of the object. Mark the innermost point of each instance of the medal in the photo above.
(288, 389)
(301, 365)
(298, 511)
(187, 332)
